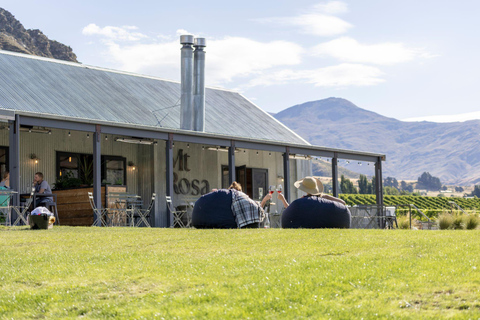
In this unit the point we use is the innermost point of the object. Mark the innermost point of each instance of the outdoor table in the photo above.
(39, 195)
(123, 209)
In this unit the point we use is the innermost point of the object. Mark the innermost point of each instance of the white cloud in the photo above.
(448, 118)
(331, 7)
(350, 50)
(125, 33)
(227, 58)
(236, 57)
(320, 20)
(342, 75)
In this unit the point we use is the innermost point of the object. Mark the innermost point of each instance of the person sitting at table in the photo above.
(41, 187)
(6, 180)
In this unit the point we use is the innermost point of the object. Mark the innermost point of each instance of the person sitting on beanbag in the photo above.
(316, 209)
(247, 213)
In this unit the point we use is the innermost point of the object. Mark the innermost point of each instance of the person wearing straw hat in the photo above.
(316, 209)
(312, 187)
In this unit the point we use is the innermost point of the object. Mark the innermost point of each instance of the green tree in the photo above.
(371, 187)
(429, 182)
(363, 184)
(347, 186)
(406, 187)
(459, 189)
(391, 191)
(476, 191)
(390, 182)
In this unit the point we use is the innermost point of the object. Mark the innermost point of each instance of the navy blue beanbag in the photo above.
(214, 210)
(315, 212)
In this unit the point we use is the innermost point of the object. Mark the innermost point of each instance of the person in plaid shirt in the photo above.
(248, 213)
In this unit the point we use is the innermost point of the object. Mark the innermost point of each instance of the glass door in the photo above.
(259, 183)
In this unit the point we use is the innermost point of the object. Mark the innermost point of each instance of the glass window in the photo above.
(68, 163)
(114, 170)
(79, 165)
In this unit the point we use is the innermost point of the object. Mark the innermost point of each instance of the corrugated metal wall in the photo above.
(45, 146)
(203, 164)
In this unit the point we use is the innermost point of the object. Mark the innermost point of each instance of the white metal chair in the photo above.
(21, 211)
(100, 214)
(5, 207)
(143, 214)
(178, 215)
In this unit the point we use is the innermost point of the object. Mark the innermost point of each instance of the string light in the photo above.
(69, 133)
(106, 138)
(188, 145)
(88, 135)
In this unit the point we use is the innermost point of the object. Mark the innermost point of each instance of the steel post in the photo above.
(231, 163)
(286, 174)
(169, 175)
(335, 186)
(97, 171)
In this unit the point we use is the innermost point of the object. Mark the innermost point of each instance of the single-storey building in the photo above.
(112, 128)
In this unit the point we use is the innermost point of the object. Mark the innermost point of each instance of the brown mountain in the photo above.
(450, 151)
(14, 37)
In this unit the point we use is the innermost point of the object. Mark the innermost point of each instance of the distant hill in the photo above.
(14, 37)
(324, 169)
(450, 151)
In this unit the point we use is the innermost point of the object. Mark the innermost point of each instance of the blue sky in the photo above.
(403, 59)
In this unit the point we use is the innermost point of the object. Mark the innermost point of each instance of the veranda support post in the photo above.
(14, 158)
(97, 171)
(335, 187)
(286, 174)
(231, 162)
(169, 175)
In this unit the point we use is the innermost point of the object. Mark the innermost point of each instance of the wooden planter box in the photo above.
(74, 207)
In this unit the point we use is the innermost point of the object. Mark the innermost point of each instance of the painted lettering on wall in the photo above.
(184, 186)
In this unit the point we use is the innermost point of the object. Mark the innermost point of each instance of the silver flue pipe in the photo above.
(199, 84)
(186, 98)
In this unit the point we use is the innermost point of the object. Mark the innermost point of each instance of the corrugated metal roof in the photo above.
(40, 85)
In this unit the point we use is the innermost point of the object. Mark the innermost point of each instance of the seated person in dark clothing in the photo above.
(41, 186)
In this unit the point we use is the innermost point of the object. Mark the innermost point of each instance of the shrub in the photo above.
(403, 222)
(471, 222)
(445, 221)
(458, 223)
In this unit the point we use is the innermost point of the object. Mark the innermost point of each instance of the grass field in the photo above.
(139, 273)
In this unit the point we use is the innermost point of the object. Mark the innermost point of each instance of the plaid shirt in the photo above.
(245, 210)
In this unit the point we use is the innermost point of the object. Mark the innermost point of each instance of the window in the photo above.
(80, 165)
(113, 170)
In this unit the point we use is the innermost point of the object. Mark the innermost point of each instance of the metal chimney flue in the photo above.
(199, 84)
(186, 98)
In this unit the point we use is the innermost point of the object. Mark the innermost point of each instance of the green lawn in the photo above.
(238, 274)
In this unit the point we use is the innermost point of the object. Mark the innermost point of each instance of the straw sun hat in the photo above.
(310, 185)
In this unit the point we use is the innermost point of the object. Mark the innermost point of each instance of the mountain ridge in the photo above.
(447, 150)
(14, 37)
